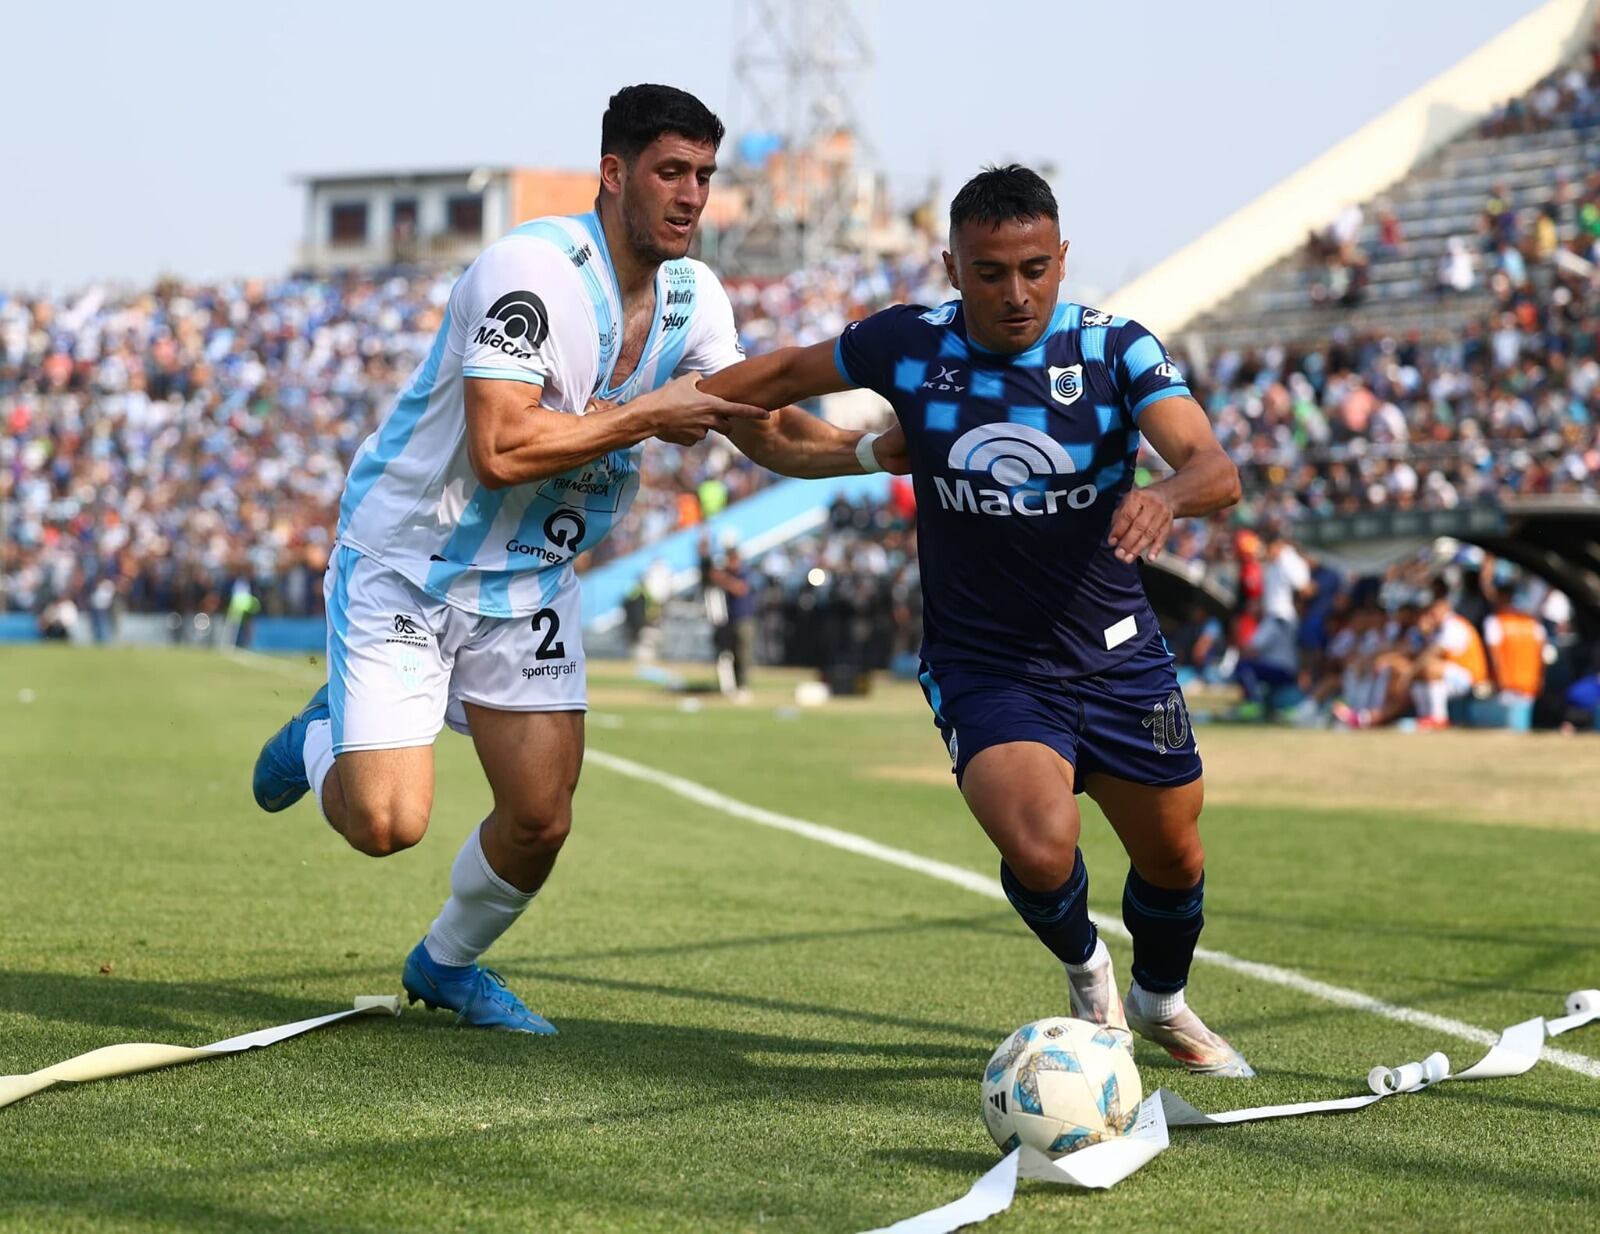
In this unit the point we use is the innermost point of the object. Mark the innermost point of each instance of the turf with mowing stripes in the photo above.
(757, 1031)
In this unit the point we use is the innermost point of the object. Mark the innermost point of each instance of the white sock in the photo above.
(1098, 958)
(481, 908)
(1155, 1006)
(1439, 699)
(1377, 691)
(318, 755)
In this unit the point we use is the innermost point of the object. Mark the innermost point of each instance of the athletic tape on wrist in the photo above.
(1105, 1164)
(864, 455)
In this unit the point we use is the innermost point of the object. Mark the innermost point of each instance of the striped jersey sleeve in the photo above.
(1143, 371)
(517, 301)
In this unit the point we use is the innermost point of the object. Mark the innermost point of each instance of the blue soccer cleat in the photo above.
(478, 996)
(280, 775)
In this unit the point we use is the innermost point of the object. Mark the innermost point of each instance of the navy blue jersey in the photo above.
(1019, 462)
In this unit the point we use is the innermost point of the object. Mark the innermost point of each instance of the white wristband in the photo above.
(864, 455)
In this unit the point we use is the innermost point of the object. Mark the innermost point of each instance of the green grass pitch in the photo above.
(758, 1032)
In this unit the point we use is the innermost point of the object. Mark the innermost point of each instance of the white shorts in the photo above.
(401, 664)
(1457, 680)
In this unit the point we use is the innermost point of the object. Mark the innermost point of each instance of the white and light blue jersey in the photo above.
(540, 306)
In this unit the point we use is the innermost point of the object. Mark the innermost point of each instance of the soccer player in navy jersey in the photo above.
(1019, 419)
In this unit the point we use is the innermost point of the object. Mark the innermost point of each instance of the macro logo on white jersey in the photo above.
(1066, 384)
(1010, 455)
(516, 324)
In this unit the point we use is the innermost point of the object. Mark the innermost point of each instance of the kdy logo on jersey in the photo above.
(945, 382)
(1013, 456)
(1066, 384)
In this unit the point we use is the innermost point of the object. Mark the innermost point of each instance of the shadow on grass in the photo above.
(983, 923)
(985, 1035)
(968, 1165)
(1517, 938)
(1414, 1169)
(177, 1009)
(140, 1009)
(596, 1120)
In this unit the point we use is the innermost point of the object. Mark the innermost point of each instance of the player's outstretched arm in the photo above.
(792, 441)
(511, 439)
(1203, 480)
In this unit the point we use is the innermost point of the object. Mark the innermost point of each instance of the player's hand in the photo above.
(1141, 524)
(892, 452)
(682, 413)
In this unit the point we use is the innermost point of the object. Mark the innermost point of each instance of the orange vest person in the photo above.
(1516, 645)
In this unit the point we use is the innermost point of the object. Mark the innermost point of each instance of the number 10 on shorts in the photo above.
(1168, 723)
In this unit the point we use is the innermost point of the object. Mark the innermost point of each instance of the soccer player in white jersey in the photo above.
(514, 447)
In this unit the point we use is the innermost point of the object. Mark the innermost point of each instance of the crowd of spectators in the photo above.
(847, 595)
(170, 441)
(1567, 97)
(1507, 406)
(1429, 639)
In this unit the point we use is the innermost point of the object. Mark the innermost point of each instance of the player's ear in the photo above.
(611, 173)
(950, 271)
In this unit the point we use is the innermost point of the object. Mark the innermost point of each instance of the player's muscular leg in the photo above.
(1159, 827)
(532, 760)
(1021, 794)
(380, 800)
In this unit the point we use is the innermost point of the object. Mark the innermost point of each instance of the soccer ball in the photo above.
(1060, 1084)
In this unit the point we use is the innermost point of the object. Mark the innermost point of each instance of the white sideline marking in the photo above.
(983, 885)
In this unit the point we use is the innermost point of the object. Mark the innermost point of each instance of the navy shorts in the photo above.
(1129, 722)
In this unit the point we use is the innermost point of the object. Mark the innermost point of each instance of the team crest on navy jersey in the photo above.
(1066, 384)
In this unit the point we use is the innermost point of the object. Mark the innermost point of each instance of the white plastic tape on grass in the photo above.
(113, 1060)
(1103, 1165)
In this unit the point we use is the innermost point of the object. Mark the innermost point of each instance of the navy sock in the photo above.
(1165, 925)
(1061, 917)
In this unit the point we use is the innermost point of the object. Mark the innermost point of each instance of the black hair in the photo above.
(1000, 194)
(637, 115)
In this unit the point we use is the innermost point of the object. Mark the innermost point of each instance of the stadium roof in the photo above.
(409, 173)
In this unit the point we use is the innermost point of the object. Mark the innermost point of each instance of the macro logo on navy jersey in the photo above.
(1012, 456)
(941, 316)
(522, 319)
(1169, 370)
(1094, 317)
(1066, 384)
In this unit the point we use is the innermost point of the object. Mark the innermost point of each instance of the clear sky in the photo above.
(163, 136)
